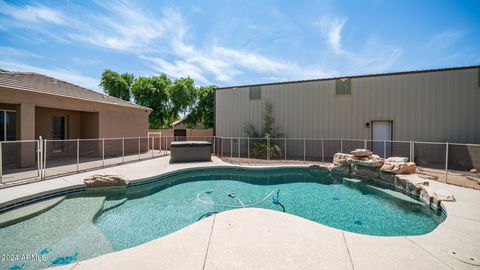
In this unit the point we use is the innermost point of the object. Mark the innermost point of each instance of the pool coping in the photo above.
(462, 222)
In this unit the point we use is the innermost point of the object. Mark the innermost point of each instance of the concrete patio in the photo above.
(257, 238)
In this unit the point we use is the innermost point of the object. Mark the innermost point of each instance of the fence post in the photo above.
(446, 163)
(384, 149)
(410, 151)
(323, 152)
(214, 139)
(248, 147)
(341, 145)
(1, 164)
(123, 150)
(268, 150)
(138, 148)
(45, 159)
(413, 151)
(364, 144)
(78, 154)
(153, 145)
(285, 149)
(103, 152)
(304, 151)
(221, 149)
(238, 142)
(231, 149)
(39, 158)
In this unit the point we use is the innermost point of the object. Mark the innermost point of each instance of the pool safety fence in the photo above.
(34, 160)
(447, 162)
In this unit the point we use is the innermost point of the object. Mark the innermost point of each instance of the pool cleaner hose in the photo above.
(275, 199)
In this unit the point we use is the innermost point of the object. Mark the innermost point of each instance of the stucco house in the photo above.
(33, 105)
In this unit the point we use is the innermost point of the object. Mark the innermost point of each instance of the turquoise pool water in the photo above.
(87, 224)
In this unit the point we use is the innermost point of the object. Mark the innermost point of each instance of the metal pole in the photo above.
(364, 144)
(323, 153)
(78, 154)
(214, 139)
(413, 151)
(153, 145)
(138, 148)
(446, 163)
(285, 149)
(238, 141)
(39, 160)
(385, 149)
(123, 150)
(231, 148)
(103, 152)
(304, 151)
(248, 147)
(341, 145)
(1, 164)
(268, 150)
(45, 160)
(221, 151)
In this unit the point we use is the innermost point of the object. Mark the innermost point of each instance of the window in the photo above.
(255, 92)
(8, 125)
(343, 87)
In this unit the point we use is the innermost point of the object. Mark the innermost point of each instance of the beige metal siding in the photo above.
(432, 106)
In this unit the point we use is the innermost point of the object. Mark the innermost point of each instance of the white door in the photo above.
(382, 131)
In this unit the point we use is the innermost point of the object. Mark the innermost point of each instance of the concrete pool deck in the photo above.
(260, 238)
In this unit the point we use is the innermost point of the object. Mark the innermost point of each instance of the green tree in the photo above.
(117, 85)
(260, 148)
(168, 99)
(182, 94)
(153, 92)
(202, 110)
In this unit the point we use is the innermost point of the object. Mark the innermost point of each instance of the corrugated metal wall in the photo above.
(429, 106)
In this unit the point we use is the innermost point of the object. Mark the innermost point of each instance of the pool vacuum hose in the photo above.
(275, 198)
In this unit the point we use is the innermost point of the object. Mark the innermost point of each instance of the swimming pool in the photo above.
(88, 224)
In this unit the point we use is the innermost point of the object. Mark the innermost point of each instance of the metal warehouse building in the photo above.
(430, 105)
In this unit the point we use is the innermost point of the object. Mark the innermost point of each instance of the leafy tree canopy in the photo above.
(168, 99)
(117, 85)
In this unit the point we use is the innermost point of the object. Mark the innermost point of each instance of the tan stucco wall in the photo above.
(99, 119)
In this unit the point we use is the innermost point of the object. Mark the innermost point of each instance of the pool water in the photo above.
(89, 224)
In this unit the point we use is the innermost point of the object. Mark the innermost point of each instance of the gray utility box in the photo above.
(190, 151)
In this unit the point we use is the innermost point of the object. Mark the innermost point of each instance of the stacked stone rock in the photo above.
(396, 171)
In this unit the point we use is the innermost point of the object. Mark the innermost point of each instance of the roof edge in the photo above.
(352, 77)
(132, 105)
(121, 102)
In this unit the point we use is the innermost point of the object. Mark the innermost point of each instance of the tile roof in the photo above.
(34, 82)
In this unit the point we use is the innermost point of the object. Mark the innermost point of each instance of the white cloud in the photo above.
(9, 52)
(164, 42)
(177, 69)
(444, 39)
(33, 14)
(67, 75)
(331, 29)
(375, 57)
(224, 64)
(372, 56)
(123, 27)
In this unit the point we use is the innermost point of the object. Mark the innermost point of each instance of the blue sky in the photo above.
(236, 42)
